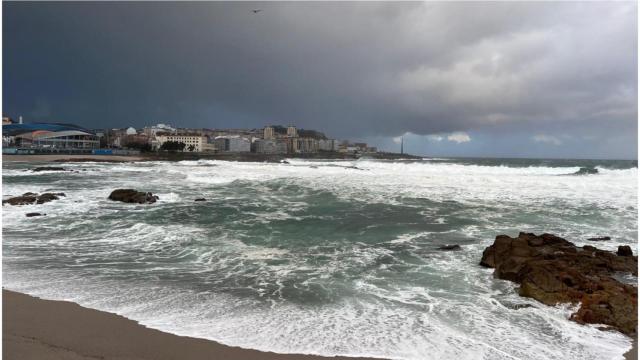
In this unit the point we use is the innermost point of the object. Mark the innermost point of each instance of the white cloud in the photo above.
(548, 139)
(459, 137)
(434, 138)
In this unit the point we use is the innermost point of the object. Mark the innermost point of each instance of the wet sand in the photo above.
(633, 353)
(33, 328)
(63, 157)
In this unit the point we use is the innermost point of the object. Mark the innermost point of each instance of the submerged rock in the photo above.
(586, 171)
(450, 247)
(32, 198)
(34, 214)
(200, 199)
(133, 196)
(600, 238)
(553, 270)
(49, 168)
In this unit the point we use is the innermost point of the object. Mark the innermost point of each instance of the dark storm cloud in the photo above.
(354, 69)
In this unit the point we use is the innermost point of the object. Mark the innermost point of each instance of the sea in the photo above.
(328, 257)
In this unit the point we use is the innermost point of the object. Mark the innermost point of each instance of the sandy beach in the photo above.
(33, 328)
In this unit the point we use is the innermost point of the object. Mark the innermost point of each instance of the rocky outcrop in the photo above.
(133, 196)
(48, 168)
(450, 248)
(553, 270)
(30, 198)
(200, 199)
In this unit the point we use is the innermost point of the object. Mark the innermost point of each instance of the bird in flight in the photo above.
(255, 11)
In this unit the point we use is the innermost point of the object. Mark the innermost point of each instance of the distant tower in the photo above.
(402, 145)
(19, 119)
(292, 131)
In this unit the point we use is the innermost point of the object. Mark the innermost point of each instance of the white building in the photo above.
(131, 131)
(193, 143)
(232, 144)
(151, 131)
(328, 145)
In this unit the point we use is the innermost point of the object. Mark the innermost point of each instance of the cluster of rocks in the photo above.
(553, 270)
(133, 196)
(30, 198)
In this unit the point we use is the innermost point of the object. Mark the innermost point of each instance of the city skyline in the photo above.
(531, 80)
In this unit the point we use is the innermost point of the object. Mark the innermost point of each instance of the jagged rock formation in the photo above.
(553, 270)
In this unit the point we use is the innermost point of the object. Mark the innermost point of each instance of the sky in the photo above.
(545, 79)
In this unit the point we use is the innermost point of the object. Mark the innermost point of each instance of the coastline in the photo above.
(34, 328)
(180, 156)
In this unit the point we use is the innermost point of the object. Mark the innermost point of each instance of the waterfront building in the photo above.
(49, 136)
(307, 145)
(268, 146)
(292, 131)
(193, 142)
(328, 145)
(131, 131)
(232, 144)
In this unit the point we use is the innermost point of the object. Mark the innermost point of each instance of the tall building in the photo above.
(268, 133)
(292, 131)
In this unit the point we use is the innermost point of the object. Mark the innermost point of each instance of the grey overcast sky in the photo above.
(546, 79)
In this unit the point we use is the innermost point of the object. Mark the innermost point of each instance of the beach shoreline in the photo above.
(34, 328)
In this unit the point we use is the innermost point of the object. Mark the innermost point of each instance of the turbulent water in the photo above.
(322, 257)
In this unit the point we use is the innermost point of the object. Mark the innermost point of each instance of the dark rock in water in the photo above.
(49, 168)
(35, 214)
(553, 270)
(46, 197)
(450, 247)
(200, 199)
(32, 198)
(133, 196)
(624, 250)
(599, 238)
(586, 171)
(521, 306)
(284, 162)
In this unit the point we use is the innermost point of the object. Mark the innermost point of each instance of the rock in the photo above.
(35, 214)
(599, 238)
(450, 247)
(49, 168)
(624, 250)
(32, 198)
(200, 199)
(133, 196)
(553, 270)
